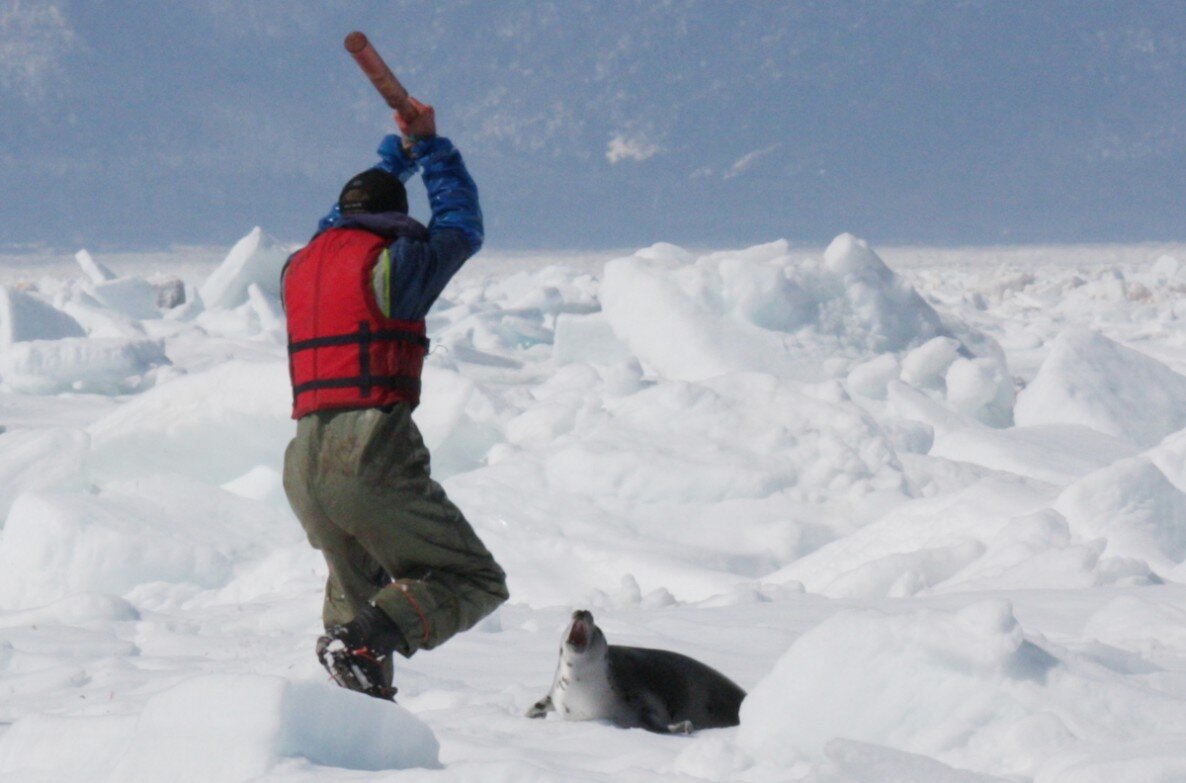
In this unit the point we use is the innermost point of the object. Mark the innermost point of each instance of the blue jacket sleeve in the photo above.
(452, 194)
(421, 269)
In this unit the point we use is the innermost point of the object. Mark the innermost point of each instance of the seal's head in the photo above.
(583, 639)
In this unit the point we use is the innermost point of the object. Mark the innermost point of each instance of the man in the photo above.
(406, 570)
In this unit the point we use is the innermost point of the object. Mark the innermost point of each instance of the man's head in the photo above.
(374, 190)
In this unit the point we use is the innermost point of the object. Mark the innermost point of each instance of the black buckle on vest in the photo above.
(404, 382)
(364, 358)
(353, 337)
(365, 380)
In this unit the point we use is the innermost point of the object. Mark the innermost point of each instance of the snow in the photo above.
(101, 365)
(927, 506)
(237, 726)
(27, 317)
(760, 309)
(1133, 507)
(95, 272)
(1091, 380)
(256, 259)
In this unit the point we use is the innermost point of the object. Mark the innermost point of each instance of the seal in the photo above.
(636, 687)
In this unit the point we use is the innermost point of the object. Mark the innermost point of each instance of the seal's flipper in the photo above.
(657, 719)
(541, 707)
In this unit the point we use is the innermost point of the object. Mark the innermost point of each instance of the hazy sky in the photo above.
(601, 123)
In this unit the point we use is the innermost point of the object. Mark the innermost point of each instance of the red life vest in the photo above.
(343, 353)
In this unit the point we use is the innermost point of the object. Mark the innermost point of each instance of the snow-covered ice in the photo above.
(927, 506)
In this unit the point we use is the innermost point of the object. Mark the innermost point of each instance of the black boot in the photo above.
(354, 653)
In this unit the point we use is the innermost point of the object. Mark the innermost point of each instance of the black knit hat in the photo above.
(374, 190)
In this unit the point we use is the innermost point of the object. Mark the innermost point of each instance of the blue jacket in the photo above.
(423, 260)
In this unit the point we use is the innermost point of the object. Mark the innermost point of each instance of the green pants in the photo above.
(359, 483)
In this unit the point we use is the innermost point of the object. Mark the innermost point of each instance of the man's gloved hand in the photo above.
(420, 125)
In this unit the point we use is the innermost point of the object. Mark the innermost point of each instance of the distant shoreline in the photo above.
(193, 262)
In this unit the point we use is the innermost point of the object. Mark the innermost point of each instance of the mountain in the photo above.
(604, 124)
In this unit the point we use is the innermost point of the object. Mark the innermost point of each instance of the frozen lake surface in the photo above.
(927, 505)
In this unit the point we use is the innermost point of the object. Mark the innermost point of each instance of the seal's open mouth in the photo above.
(578, 636)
